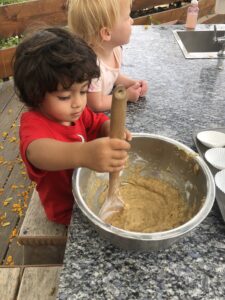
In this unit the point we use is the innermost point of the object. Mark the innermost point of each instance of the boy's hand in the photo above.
(127, 135)
(105, 131)
(105, 154)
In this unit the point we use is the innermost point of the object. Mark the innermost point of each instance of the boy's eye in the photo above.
(64, 98)
(83, 92)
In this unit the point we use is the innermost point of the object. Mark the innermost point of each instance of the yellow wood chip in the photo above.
(12, 139)
(5, 224)
(14, 186)
(9, 260)
(13, 234)
(2, 217)
(16, 205)
(4, 134)
(6, 201)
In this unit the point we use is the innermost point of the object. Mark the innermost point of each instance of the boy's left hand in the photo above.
(127, 135)
(106, 131)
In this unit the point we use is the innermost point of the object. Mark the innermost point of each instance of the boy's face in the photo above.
(121, 31)
(65, 106)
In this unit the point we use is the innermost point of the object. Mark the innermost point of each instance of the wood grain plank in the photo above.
(43, 254)
(9, 138)
(205, 8)
(39, 283)
(15, 250)
(6, 94)
(141, 4)
(212, 19)
(15, 18)
(14, 180)
(6, 56)
(9, 282)
(37, 229)
(16, 197)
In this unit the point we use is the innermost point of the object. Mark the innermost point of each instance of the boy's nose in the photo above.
(76, 102)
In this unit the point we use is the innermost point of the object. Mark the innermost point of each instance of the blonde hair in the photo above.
(87, 17)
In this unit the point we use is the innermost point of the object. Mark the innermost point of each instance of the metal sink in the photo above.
(199, 44)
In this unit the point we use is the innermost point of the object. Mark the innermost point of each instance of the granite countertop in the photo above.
(184, 95)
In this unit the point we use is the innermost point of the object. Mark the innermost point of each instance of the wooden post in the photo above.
(6, 56)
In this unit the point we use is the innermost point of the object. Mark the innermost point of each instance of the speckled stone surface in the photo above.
(184, 95)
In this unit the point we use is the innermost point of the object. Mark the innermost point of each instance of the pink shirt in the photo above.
(108, 75)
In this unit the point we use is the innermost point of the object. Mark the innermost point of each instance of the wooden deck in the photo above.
(15, 187)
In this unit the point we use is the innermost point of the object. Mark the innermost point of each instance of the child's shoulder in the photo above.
(32, 114)
(35, 124)
(33, 118)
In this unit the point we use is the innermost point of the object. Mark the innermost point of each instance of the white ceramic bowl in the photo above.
(216, 157)
(211, 139)
(220, 180)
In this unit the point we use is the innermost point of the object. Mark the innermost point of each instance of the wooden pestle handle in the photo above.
(118, 112)
(117, 127)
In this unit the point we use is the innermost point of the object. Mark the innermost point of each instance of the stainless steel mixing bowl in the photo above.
(170, 160)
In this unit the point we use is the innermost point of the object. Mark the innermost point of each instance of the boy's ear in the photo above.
(105, 33)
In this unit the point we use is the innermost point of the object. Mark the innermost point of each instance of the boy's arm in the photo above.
(105, 131)
(102, 155)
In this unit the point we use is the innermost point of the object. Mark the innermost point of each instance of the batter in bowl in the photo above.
(151, 204)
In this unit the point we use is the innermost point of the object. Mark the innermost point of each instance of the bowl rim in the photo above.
(155, 236)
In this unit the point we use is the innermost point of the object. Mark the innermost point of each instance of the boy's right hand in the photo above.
(105, 154)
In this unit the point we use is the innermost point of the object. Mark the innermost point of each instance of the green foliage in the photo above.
(10, 42)
(4, 2)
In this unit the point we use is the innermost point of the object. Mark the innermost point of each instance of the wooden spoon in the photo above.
(113, 202)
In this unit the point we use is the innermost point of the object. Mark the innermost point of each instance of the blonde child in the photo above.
(105, 25)
(52, 72)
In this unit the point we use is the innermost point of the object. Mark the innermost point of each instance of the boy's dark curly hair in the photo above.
(49, 57)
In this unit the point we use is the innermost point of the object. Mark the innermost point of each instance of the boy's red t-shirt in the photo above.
(55, 187)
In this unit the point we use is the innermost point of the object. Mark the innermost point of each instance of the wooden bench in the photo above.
(33, 282)
(43, 241)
